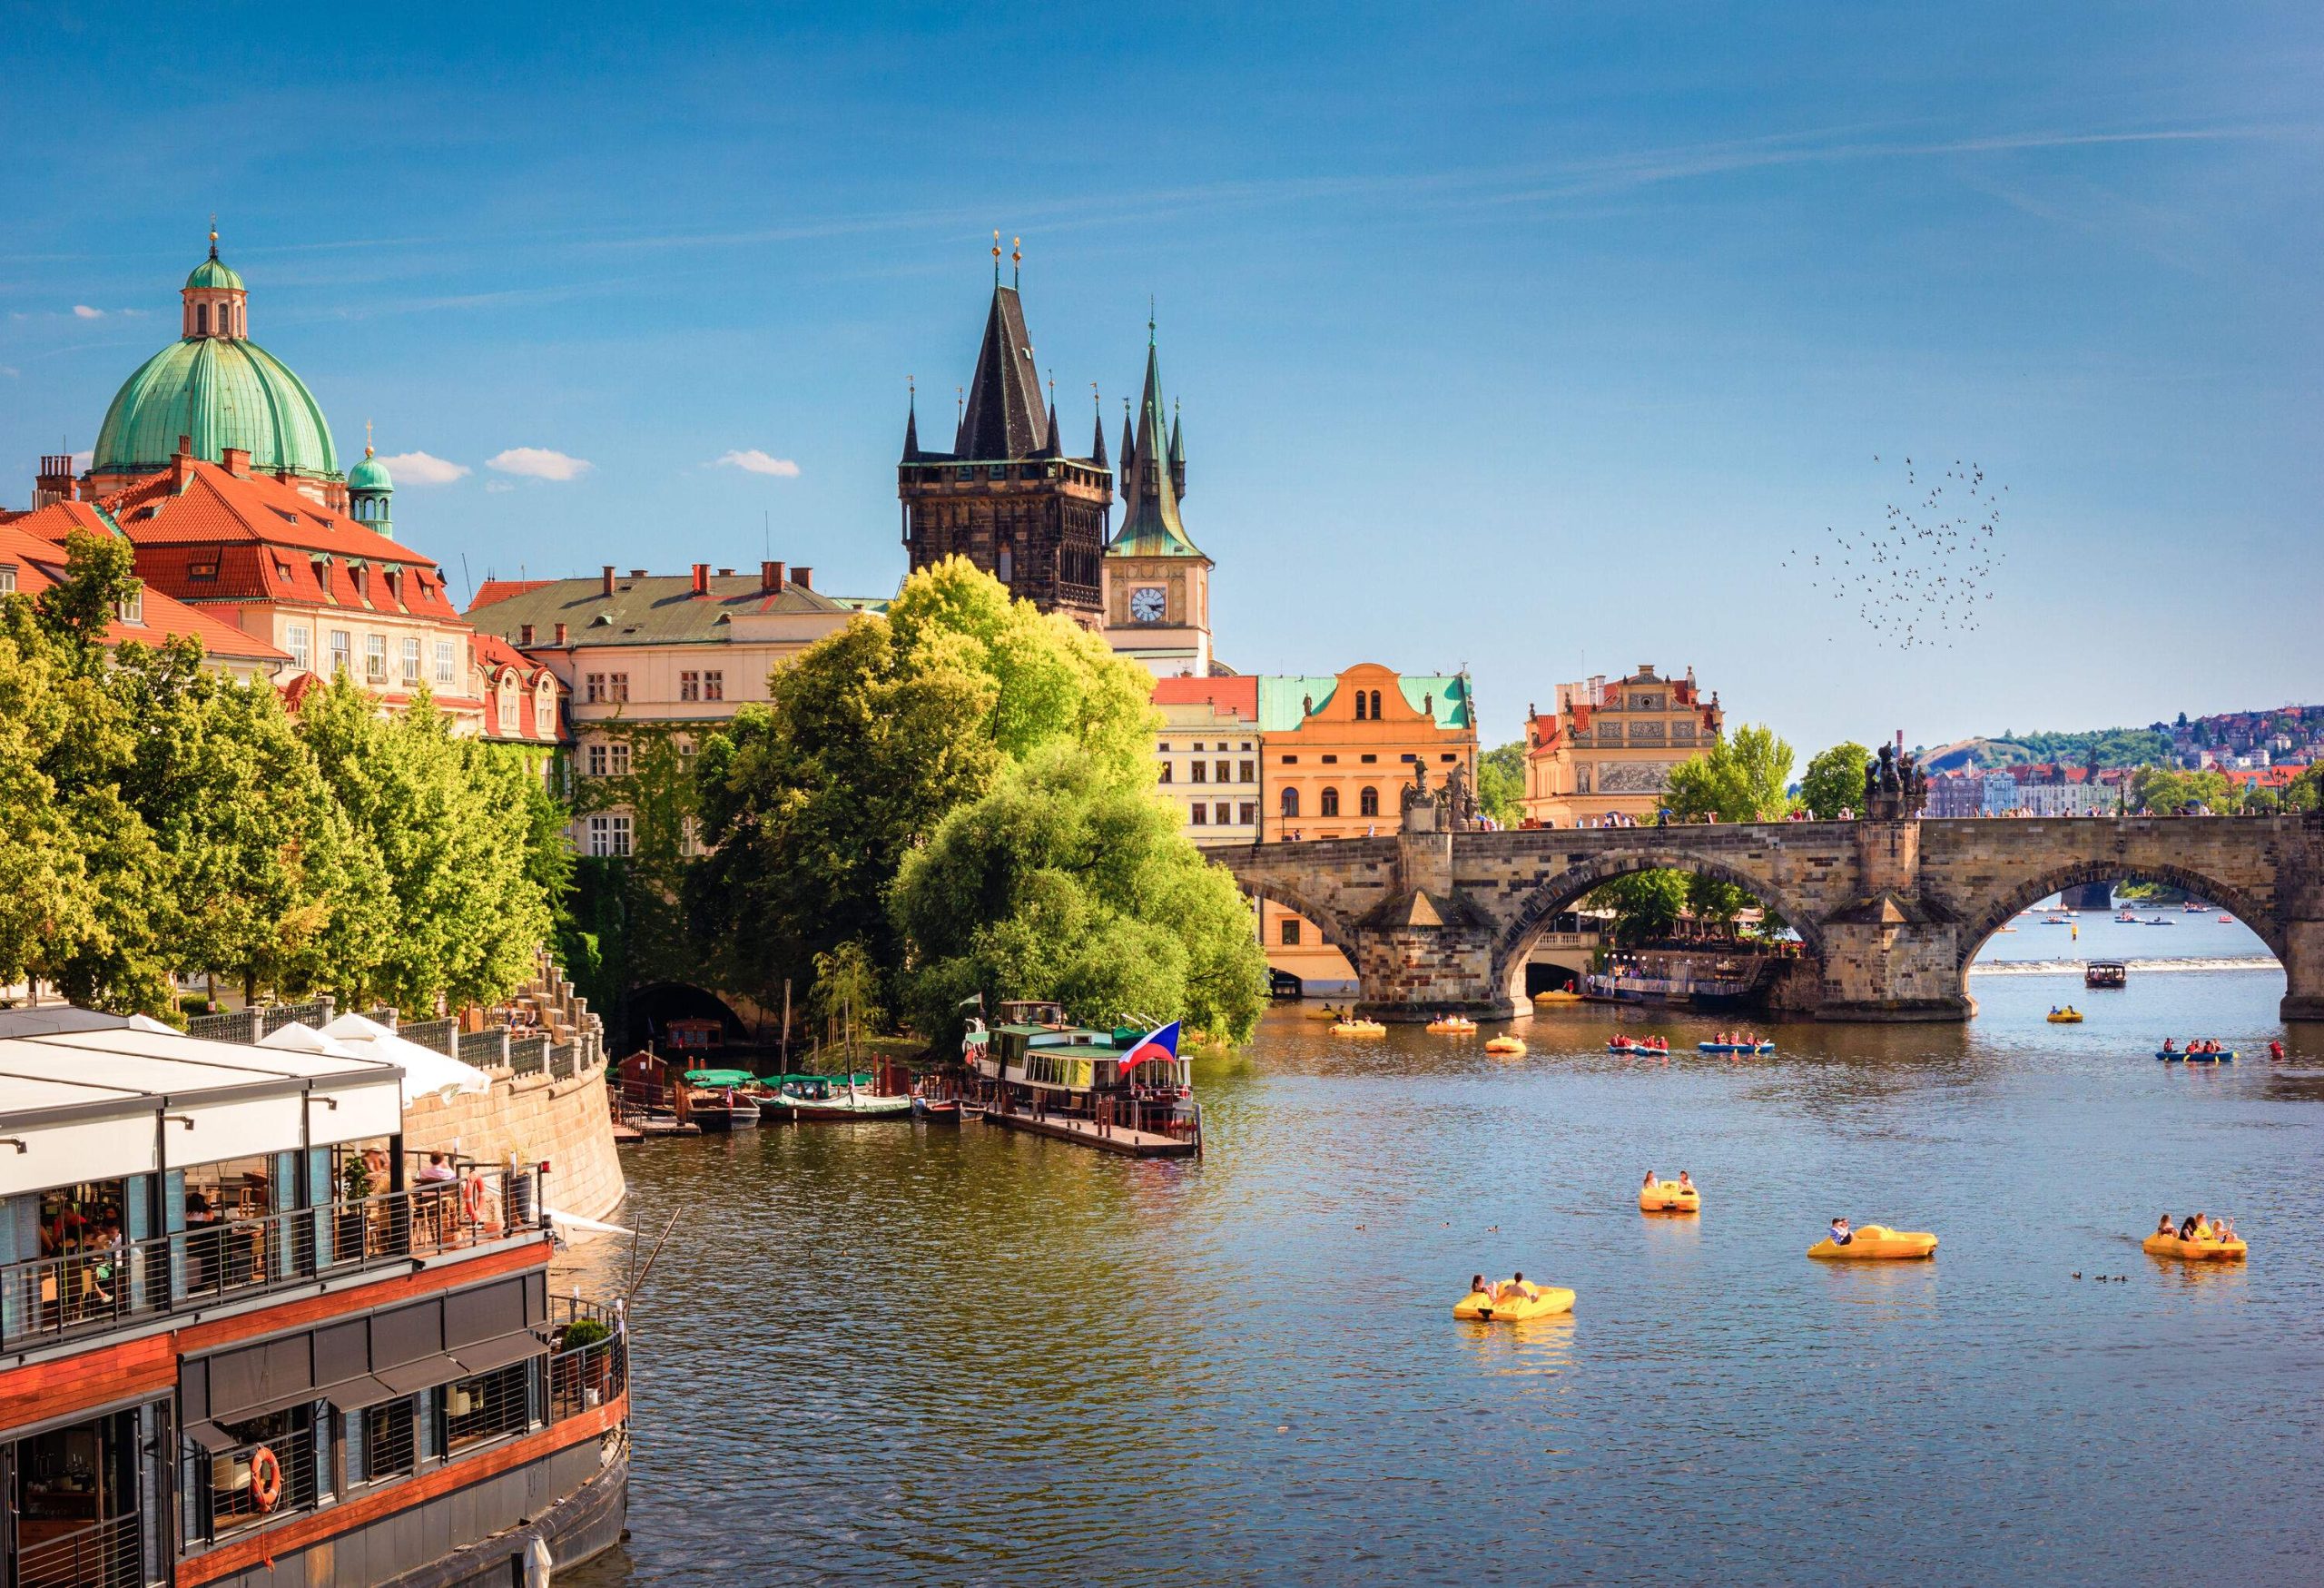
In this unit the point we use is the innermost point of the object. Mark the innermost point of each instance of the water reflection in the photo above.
(937, 1355)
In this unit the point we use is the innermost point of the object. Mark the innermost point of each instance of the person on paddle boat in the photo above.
(1686, 1182)
(1518, 1285)
(2163, 1226)
(2187, 1226)
(1477, 1287)
(1649, 1182)
(1841, 1233)
(2167, 1047)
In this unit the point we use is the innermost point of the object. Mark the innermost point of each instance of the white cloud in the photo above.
(496, 485)
(424, 469)
(758, 462)
(83, 460)
(540, 463)
(84, 312)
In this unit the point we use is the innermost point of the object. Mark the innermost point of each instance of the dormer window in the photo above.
(131, 608)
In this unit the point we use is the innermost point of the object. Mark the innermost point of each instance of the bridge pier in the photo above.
(2303, 972)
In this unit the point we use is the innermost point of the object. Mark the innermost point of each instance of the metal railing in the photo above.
(83, 1292)
(106, 1555)
(438, 1034)
(585, 1377)
(564, 1060)
(482, 1048)
(528, 1055)
(239, 1487)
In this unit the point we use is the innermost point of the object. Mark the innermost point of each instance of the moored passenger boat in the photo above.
(1125, 1089)
(246, 1338)
(841, 1097)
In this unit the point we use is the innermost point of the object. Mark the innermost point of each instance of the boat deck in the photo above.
(1116, 1138)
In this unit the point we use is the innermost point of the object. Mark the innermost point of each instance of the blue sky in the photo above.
(1529, 338)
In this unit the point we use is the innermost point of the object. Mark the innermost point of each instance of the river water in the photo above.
(903, 1354)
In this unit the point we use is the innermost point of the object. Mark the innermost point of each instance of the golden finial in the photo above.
(1016, 261)
(995, 256)
(213, 234)
(367, 438)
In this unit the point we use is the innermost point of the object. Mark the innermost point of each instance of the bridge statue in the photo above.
(1890, 909)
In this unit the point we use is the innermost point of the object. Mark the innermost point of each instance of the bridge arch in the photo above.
(1997, 911)
(1544, 902)
(648, 1011)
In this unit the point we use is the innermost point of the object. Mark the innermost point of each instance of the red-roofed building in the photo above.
(29, 564)
(1610, 748)
(1207, 755)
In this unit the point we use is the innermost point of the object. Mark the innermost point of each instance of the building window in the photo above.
(619, 751)
(1197, 770)
(131, 608)
(1331, 760)
(1290, 933)
(382, 1437)
(596, 760)
(1376, 706)
(1219, 772)
(1291, 760)
(1367, 760)
(375, 658)
(713, 685)
(1330, 804)
(342, 650)
(411, 662)
(507, 706)
(608, 835)
(1250, 815)
(1165, 772)
(1367, 803)
(443, 661)
(545, 713)
(1448, 757)
(8, 579)
(593, 688)
(1197, 814)
(1218, 813)
(302, 647)
(689, 686)
(1290, 801)
(1164, 747)
(618, 687)
(1007, 564)
(1247, 743)
(1359, 706)
(1250, 772)
(201, 319)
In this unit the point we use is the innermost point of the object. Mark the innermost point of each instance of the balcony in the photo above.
(87, 1292)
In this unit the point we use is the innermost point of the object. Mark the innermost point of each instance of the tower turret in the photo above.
(368, 487)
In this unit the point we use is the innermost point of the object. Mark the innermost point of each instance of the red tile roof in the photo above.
(1239, 695)
(40, 563)
(493, 590)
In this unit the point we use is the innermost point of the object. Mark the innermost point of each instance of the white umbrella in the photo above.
(426, 1072)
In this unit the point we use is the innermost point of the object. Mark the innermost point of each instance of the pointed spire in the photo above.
(1150, 523)
(1097, 442)
(1055, 446)
(1002, 415)
(1177, 454)
(1016, 262)
(1129, 447)
(912, 421)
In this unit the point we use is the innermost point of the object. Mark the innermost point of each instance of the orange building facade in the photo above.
(1337, 751)
(1609, 749)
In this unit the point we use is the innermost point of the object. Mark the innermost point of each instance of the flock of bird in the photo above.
(1921, 576)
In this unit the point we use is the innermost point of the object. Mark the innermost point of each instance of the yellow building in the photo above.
(1337, 753)
(1206, 756)
(1609, 748)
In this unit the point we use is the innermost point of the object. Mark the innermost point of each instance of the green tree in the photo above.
(1742, 777)
(1833, 781)
(1646, 905)
(79, 610)
(846, 996)
(2306, 792)
(1500, 783)
(45, 892)
(1065, 881)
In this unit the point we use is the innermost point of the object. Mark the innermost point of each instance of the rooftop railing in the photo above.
(89, 1291)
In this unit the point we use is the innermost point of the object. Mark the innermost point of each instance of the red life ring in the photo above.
(472, 1198)
(266, 1478)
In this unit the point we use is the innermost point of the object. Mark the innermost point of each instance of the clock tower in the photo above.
(1156, 581)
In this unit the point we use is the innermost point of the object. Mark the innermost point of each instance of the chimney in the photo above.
(609, 588)
(560, 634)
(181, 462)
(55, 482)
(771, 577)
(524, 633)
(237, 461)
(725, 573)
(804, 578)
(637, 573)
(702, 579)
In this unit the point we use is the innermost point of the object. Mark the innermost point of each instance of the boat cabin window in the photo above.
(261, 1468)
(381, 1442)
(77, 1499)
(486, 1407)
(239, 1188)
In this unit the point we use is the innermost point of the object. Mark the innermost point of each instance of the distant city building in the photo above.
(1610, 748)
(29, 564)
(673, 653)
(1337, 751)
(1955, 793)
(1158, 582)
(1207, 757)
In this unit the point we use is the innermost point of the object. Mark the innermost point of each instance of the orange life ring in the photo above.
(472, 1198)
(266, 1478)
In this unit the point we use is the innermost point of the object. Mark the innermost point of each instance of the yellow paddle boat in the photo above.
(1326, 1012)
(1560, 996)
(1512, 1302)
(2068, 1016)
(2205, 1250)
(1504, 1045)
(1359, 1027)
(1669, 1197)
(1876, 1243)
(1453, 1025)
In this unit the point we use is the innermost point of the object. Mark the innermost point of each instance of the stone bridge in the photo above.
(1891, 912)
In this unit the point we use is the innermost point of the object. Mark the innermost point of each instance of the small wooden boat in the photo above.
(2105, 974)
(1453, 1025)
(936, 1110)
(840, 1097)
(720, 1101)
(1504, 1047)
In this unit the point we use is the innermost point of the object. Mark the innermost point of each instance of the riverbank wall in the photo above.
(565, 1122)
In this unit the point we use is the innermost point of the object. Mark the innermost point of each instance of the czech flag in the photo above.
(1154, 1045)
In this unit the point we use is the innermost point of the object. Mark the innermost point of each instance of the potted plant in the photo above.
(578, 1336)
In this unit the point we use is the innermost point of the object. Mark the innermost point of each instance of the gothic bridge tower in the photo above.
(1008, 497)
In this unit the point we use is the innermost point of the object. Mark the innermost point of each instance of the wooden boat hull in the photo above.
(939, 1112)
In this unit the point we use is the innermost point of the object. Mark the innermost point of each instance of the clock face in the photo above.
(1145, 604)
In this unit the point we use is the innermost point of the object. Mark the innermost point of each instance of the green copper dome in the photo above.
(370, 473)
(214, 272)
(221, 392)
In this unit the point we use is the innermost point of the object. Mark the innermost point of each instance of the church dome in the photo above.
(370, 473)
(221, 392)
(214, 273)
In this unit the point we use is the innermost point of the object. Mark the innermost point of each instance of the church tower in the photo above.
(1007, 496)
(1158, 581)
